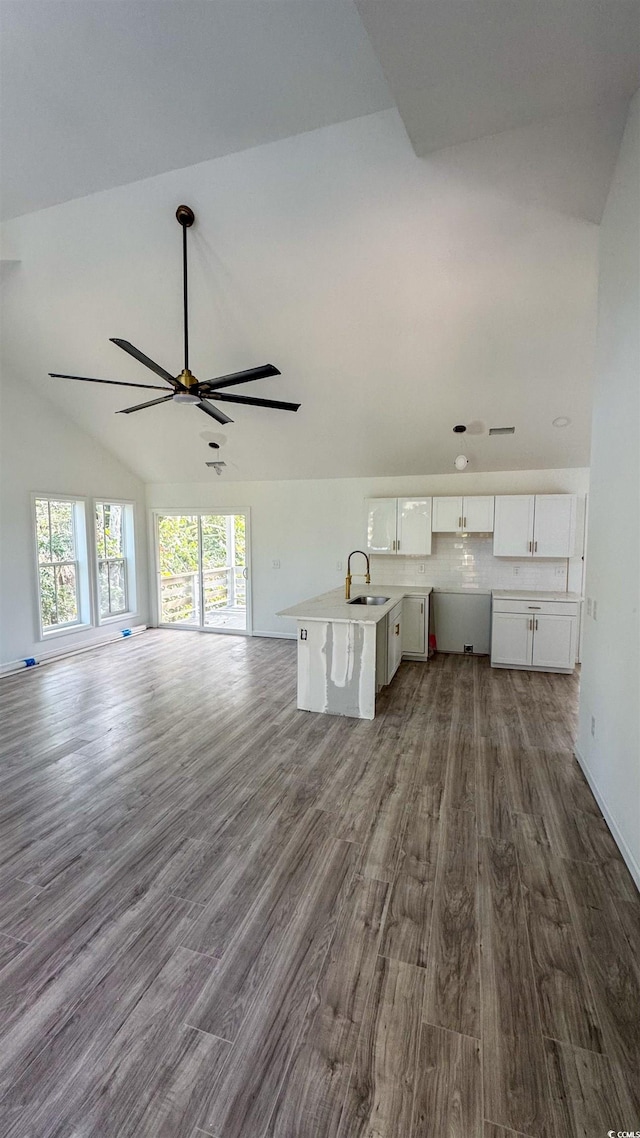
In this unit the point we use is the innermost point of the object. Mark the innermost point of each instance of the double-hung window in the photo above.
(115, 557)
(62, 574)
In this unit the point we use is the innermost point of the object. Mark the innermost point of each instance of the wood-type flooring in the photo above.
(223, 916)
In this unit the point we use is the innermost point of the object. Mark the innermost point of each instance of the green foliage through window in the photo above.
(57, 563)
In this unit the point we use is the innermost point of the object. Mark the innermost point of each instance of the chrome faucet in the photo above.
(347, 584)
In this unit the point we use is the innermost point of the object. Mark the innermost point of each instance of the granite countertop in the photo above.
(333, 606)
(533, 595)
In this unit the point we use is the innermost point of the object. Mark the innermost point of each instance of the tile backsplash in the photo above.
(468, 562)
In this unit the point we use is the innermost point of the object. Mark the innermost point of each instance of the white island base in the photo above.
(337, 668)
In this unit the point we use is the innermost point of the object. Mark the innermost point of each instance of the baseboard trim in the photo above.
(632, 865)
(17, 667)
(276, 635)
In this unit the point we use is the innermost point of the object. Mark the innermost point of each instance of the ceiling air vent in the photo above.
(502, 430)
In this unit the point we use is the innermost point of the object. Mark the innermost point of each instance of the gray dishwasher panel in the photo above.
(462, 618)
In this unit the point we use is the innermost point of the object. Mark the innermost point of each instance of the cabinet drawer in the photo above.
(537, 608)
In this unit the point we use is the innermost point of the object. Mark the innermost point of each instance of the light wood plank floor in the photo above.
(222, 916)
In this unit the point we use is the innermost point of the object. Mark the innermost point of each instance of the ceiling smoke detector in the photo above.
(461, 462)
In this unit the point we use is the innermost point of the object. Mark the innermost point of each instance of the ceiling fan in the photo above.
(186, 388)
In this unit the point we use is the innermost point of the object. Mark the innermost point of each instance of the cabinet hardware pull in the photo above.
(536, 624)
(531, 624)
(535, 547)
(534, 607)
(530, 547)
(459, 523)
(398, 545)
(421, 607)
(393, 545)
(464, 523)
(397, 629)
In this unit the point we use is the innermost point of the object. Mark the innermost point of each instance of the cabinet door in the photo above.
(554, 531)
(447, 515)
(394, 641)
(477, 514)
(414, 527)
(511, 638)
(381, 525)
(554, 641)
(513, 525)
(414, 617)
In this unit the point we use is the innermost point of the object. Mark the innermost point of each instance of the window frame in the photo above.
(129, 559)
(80, 561)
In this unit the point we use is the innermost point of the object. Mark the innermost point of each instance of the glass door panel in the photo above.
(179, 564)
(224, 571)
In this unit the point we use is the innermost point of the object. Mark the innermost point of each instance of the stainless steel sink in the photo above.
(368, 601)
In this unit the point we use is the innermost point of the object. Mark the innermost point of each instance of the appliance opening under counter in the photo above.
(462, 622)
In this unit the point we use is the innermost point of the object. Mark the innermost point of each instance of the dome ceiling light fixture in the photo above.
(185, 387)
(460, 462)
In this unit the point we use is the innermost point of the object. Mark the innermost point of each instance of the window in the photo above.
(114, 546)
(59, 525)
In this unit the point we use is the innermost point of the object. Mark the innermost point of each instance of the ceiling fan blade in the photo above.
(138, 355)
(245, 376)
(141, 406)
(251, 401)
(114, 382)
(213, 411)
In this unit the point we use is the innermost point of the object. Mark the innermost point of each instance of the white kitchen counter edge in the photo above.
(332, 606)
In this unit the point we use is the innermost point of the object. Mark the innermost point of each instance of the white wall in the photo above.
(42, 452)
(310, 526)
(611, 651)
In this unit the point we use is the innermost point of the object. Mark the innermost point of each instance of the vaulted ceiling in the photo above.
(395, 204)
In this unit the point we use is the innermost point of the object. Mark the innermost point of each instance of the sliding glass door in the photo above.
(203, 570)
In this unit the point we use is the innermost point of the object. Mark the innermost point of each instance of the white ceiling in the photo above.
(98, 94)
(556, 75)
(407, 267)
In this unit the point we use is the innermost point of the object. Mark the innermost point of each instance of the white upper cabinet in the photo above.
(468, 515)
(513, 526)
(477, 514)
(381, 525)
(414, 527)
(399, 526)
(543, 525)
(447, 515)
(554, 528)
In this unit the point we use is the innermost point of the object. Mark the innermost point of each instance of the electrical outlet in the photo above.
(468, 649)
(516, 570)
(593, 726)
(560, 571)
(421, 567)
(595, 610)
(275, 564)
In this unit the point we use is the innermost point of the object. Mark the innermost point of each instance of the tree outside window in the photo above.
(57, 563)
(112, 560)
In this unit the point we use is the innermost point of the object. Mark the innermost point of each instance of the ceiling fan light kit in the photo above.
(185, 387)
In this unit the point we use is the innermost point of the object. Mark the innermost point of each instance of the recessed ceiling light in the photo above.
(561, 421)
(459, 429)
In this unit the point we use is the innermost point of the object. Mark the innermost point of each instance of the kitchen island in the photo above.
(347, 651)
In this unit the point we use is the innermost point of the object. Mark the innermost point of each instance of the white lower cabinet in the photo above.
(536, 635)
(415, 624)
(511, 638)
(394, 641)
